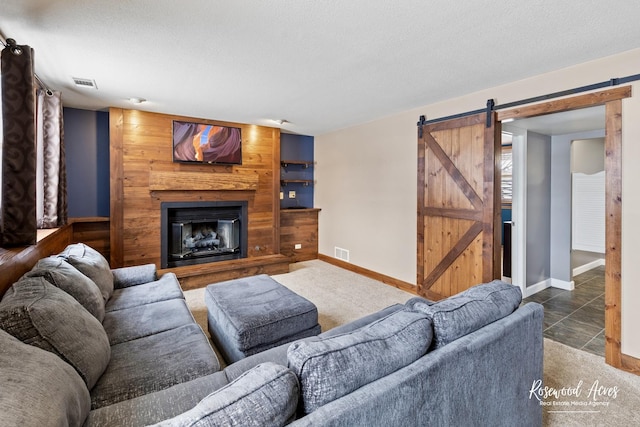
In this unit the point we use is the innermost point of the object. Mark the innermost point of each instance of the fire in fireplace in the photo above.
(200, 232)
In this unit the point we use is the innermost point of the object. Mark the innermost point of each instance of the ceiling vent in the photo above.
(85, 83)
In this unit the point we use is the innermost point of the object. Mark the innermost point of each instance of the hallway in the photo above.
(576, 318)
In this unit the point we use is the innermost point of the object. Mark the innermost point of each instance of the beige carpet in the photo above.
(342, 296)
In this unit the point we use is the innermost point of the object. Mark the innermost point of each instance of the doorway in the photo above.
(611, 99)
(554, 151)
(541, 196)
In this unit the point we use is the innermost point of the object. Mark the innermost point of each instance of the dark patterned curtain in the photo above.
(51, 191)
(34, 179)
(18, 207)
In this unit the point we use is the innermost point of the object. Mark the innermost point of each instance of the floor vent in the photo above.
(86, 83)
(342, 254)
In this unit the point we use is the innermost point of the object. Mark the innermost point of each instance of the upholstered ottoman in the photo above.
(252, 314)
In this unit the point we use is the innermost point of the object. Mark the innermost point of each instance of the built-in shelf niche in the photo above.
(296, 171)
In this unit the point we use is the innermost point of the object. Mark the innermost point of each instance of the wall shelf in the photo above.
(305, 182)
(305, 164)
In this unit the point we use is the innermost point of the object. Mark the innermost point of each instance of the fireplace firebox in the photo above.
(201, 232)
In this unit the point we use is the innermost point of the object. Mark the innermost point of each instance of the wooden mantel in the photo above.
(199, 181)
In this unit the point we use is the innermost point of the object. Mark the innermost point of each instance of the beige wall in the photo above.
(366, 180)
(587, 155)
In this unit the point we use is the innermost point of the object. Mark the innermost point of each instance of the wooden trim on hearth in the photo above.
(201, 275)
(387, 280)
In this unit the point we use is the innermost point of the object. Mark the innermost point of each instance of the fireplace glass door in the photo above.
(203, 232)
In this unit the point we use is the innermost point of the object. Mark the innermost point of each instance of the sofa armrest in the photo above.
(483, 378)
(135, 275)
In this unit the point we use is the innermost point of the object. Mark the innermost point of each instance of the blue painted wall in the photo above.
(296, 147)
(86, 138)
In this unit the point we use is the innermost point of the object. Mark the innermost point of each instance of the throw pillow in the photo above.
(330, 368)
(38, 388)
(38, 313)
(63, 275)
(92, 264)
(266, 395)
(469, 310)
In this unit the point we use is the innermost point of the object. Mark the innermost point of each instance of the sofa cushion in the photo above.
(329, 368)
(63, 275)
(148, 319)
(92, 264)
(153, 363)
(469, 310)
(266, 395)
(157, 406)
(37, 388)
(163, 289)
(38, 313)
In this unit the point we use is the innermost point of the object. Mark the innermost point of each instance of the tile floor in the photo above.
(576, 318)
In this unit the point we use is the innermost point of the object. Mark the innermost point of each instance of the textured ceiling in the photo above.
(321, 65)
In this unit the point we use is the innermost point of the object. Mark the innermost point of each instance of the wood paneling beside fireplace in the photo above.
(143, 175)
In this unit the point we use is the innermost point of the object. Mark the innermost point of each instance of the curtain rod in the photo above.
(7, 42)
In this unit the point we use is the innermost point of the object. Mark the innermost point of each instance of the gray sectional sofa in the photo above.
(125, 332)
(83, 344)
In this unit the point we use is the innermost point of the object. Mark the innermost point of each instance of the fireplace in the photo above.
(201, 232)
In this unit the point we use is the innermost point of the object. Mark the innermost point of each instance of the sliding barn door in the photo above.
(458, 205)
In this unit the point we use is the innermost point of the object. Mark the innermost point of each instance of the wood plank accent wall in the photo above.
(143, 175)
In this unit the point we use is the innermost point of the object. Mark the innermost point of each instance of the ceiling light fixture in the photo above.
(281, 121)
(137, 100)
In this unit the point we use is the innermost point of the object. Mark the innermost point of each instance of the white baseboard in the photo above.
(563, 284)
(548, 283)
(589, 266)
(534, 289)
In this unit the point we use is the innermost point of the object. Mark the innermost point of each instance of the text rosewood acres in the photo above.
(594, 395)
